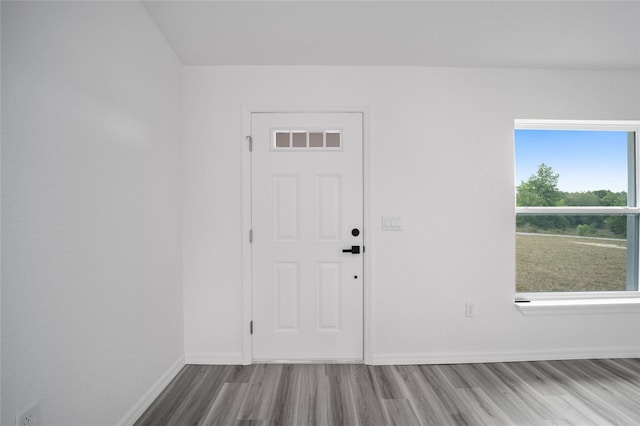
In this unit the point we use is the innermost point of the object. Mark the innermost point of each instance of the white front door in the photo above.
(307, 207)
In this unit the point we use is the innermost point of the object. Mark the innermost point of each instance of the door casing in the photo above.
(247, 348)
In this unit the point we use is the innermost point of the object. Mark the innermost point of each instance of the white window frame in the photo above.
(537, 303)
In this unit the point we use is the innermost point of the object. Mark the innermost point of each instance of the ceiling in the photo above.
(507, 34)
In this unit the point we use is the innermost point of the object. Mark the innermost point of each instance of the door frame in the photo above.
(247, 279)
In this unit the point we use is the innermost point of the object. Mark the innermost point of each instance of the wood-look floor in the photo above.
(580, 392)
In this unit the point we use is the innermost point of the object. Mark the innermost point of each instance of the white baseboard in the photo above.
(136, 411)
(489, 357)
(214, 358)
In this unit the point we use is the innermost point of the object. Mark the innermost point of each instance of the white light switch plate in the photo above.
(391, 223)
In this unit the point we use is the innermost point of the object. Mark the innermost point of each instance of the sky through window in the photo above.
(585, 160)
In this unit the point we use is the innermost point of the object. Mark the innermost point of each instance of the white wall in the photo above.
(91, 284)
(441, 156)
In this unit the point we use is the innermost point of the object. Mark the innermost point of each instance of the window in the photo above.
(576, 208)
(306, 140)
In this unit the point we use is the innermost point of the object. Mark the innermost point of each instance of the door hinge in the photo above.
(250, 235)
(250, 140)
(250, 327)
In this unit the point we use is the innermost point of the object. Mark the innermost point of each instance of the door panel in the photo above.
(328, 208)
(329, 297)
(306, 199)
(286, 279)
(285, 209)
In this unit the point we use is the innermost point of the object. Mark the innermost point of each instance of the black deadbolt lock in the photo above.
(355, 232)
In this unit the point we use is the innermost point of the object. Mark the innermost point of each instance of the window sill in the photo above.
(580, 306)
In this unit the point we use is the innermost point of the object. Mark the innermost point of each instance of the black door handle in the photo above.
(353, 249)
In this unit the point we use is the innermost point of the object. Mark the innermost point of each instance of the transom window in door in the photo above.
(295, 140)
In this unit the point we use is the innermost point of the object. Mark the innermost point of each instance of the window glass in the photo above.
(572, 233)
(571, 167)
(333, 139)
(282, 140)
(316, 139)
(554, 258)
(299, 139)
(302, 140)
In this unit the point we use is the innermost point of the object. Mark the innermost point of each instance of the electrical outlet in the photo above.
(28, 417)
(470, 310)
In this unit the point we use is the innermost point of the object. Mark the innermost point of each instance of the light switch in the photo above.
(391, 223)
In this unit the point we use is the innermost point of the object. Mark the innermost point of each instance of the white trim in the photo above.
(147, 399)
(581, 306)
(369, 246)
(309, 361)
(267, 109)
(510, 356)
(571, 297)
(247, 303)
(620, 125)
(215, 358)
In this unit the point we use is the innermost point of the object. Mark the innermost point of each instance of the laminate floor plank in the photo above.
(224, 409)
(342, 409)
(583, 413)
(604, 390)
(322, 413)
(608, 387)
(445, 392)
(480, 409)
(400, 412)
(240, 373)
(631, 363)
(367, 404)
(535, 378)
(285, 401)
(261, 394)
(250, 423)
(385, 383)
(458, 393)
(591, 402)
(536, 402)
(170, 398)
(620, 370)
(307, 393)
(457, 376)
(196, 404)
(559, 393)
(192, 396)
(505, 396)
(426, 403)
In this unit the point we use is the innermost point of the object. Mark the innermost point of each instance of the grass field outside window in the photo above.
(561, 263)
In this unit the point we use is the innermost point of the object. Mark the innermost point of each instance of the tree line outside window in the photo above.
(541, 190)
